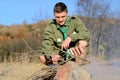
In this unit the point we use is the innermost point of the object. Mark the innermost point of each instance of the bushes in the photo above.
(4, 51)
(14, 49)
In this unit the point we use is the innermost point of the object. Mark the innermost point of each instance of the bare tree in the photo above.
(97, 13)
(41, 16)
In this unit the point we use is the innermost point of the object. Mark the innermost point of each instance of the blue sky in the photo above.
(18, 11)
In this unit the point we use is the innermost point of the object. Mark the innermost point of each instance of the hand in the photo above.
(42, 58)
(75, 51)
(66, 43)
(82, 46)
(81, 49)
(55, 58)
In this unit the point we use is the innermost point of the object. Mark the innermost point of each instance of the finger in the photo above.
(57, 57)
(54, 58)
(63, 46)
(54, 62)
(71, 52)
(77, 51)
(74, 51)
(80, 49)
(67, 45)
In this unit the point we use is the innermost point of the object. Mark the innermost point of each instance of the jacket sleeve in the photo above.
(81, 32)
(48, 41)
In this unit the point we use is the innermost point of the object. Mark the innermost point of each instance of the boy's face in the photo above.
(61, 17)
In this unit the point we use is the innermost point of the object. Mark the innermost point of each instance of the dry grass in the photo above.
(22, 71)
(18, 71)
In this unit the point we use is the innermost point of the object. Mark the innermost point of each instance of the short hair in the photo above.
(60, 7)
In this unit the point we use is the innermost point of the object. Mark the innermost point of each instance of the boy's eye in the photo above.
(57, 17)
(63, 16)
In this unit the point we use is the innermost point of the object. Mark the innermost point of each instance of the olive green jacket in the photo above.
(53, 37)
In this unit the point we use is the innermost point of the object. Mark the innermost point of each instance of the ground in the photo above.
(18, 71)
(99, 70)
(104, 70)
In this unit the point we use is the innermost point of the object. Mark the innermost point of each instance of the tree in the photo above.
(96, 13)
